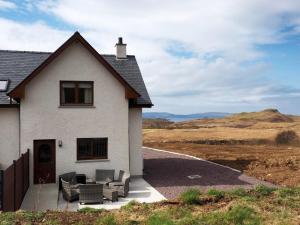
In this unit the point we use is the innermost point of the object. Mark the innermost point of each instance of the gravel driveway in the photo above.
(168, 173)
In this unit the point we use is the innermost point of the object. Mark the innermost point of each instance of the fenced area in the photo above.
(14, 183)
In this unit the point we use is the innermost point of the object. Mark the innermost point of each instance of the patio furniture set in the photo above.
(76, 187)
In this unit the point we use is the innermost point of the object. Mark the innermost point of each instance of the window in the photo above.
(76, 92)
(3, 85)
(91, 148)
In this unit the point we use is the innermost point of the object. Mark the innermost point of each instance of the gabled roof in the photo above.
(22, 66)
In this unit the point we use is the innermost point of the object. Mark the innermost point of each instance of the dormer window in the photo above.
(3, 85)
(76, 93)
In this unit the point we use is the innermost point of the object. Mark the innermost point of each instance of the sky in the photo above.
(195, 55)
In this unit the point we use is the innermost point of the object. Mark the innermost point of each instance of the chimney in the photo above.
(120, 49)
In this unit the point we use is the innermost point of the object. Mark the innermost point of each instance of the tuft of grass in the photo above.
(90, 210)
(239, 192)
(288, 192)
(190, 196)
(130, 205)
(263, 190)
(7, 218)
(107, 220)
(237, 215)
(242, 215)
(160, 218)
(216, 193)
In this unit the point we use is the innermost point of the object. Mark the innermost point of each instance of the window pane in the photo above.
(68, 95)
(92, 148)
(84, 148)
(44, 153)
(3, 85)
(68, 85)
(100, 147)
(85, 93)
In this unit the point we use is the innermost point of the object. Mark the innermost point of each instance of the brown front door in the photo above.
(44, 161)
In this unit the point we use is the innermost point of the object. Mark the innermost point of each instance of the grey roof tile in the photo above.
(17, 65)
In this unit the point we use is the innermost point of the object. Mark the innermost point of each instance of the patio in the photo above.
(46, 196)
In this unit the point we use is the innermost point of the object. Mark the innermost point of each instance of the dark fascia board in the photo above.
(9, 105)
(141, 106)
(18, 91)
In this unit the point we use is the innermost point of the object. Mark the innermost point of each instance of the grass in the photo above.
(263, 190)
(267, 206)
(216, 193)
(190, 196)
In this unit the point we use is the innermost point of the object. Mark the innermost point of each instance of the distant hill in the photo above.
(209, 120)
(178, 117)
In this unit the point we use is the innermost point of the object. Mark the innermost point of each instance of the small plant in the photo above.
(242, 215)
(286, 137)
(160, 218)
(107, 220)
(130, 205)
(7, 218)
(190, 196)
(239, 192)
(263, 190)
(288, 192)
(90, 210)
(238, 215)
(216, 193)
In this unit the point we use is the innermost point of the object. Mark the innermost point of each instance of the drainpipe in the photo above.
(19, 128)
(129, 141)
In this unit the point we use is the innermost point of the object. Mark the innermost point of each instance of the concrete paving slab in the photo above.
(43, 197)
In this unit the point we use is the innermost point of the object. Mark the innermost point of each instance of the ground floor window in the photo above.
(91, 148)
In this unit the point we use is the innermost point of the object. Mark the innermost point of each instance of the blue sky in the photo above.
(195, 56)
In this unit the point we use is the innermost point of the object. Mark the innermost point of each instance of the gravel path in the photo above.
(168, 173)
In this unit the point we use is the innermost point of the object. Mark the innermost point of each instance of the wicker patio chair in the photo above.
(69, 191)
(121, 186)
(67, 177)
(104, 176)
(90, 193)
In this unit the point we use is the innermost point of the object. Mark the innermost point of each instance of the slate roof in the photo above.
(17, 65)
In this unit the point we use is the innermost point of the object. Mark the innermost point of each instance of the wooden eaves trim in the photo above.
(18, 91)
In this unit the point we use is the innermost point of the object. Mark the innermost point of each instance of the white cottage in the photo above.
(74, 109)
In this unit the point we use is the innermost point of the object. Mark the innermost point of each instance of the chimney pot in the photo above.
(120, 49)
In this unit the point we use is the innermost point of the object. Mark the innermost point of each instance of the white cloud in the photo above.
(7, 5)
(36, 36)
(223, 70)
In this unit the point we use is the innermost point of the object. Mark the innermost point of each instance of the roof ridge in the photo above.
(20, 51)
(41, 52)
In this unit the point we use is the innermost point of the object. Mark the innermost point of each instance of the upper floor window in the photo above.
(76, 92)
(3, 85)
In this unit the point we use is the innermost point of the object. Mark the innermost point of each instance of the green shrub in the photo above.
(263, 190)
(190, 196)
(90, 210)
(107, 220)
(286, 137)
(160, 218)
(216, 193)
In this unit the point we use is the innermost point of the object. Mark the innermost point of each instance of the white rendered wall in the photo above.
(9, 136)
(43, 118)
(135, 141)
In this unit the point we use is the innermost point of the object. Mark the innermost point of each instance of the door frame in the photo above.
(34, 158)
